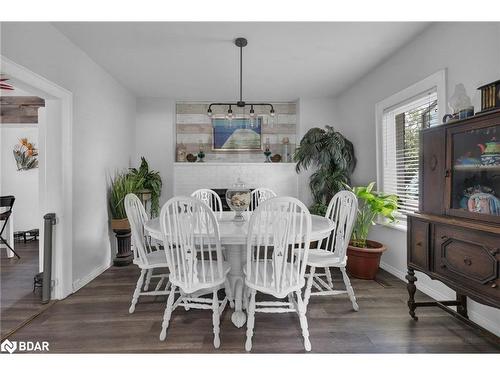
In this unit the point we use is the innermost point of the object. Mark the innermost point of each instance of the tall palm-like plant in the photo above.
(333, 156)
(121, 185)
(151, 181)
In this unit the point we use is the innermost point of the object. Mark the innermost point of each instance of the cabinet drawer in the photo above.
(418, 244)
(470, 258)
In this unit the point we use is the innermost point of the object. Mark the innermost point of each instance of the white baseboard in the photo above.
(77, 284)
(393, 271)
(484, 322)
(490, 325)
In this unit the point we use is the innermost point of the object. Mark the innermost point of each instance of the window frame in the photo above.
(435, 81)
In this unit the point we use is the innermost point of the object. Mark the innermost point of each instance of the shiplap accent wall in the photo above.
(193, 125)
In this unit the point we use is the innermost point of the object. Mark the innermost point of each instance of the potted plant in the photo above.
(363, 255)
(151, 184)
(333, 156)
(122, 184)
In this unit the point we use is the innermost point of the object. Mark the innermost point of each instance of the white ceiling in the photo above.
(198, 61)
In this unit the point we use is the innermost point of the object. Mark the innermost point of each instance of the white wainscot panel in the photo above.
(280, 177)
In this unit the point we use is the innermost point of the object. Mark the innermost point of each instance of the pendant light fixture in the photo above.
(240, 43)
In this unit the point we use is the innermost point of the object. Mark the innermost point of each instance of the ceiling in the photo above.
(198, 61)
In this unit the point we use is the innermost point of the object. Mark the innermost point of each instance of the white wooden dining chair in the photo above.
(277, 248)
(342, 210)
(210, 198)
(260, 195)
(189, 225)
(147, 256)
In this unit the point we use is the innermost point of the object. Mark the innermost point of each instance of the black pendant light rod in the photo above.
(241, 42)
(241, 75)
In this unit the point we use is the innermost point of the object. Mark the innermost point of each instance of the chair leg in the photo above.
(149, 274)
(250, 321)
(216, 320)
(246, 297)
(167, 314)
(137, 292)
(309, 284)
(229, 293)
(303, 322)
(349, 289)
(10, 247)
(329, 277)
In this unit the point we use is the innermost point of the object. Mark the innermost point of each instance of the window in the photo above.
(399, 119)
(400, 147)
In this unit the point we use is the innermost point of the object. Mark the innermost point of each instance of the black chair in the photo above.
(6, 202)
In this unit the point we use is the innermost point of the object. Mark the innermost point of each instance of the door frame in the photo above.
(56, 167)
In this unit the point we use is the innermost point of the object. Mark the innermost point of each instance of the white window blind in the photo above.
(400, 137)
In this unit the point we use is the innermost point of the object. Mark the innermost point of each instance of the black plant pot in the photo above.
(124, 256)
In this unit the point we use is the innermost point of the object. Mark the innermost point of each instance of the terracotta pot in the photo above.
(362, 263)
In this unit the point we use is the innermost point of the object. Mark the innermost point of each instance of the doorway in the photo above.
(54, 173)
(19, 187)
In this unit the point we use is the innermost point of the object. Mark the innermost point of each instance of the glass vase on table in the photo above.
(238, 199)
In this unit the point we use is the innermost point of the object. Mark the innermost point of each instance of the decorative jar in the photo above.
(238, 199)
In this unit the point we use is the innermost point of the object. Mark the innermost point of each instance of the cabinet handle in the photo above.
(444, 238)
(447, 173)
(493, 284)
(443, 266)
(467, 261)
(419, 243)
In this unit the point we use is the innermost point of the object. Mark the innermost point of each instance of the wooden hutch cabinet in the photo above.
(455, 235)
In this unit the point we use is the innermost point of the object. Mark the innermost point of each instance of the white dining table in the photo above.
(233, 236)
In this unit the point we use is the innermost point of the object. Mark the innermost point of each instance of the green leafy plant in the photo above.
(333, 156)
(318, 209)
(371, 205)
(151, 181)
(122, 184)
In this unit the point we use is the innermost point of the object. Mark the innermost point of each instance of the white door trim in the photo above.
(56, 181)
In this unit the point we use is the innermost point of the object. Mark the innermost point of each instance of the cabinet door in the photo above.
(418, 243)
(432, 171)
(474, 163)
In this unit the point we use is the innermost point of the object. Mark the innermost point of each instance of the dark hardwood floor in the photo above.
(96, 320)
(18, 303)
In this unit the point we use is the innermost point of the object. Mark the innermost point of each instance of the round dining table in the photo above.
(233, 237)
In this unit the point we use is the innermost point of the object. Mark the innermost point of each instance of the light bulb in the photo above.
(209, 113)
(272, 112)
(272, 119)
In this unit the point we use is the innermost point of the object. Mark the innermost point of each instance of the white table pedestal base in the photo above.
(236, 257)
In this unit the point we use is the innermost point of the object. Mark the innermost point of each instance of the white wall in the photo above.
(103, 130)
(312, 113)
(155, 139)
(471, 54)
(22, 184)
